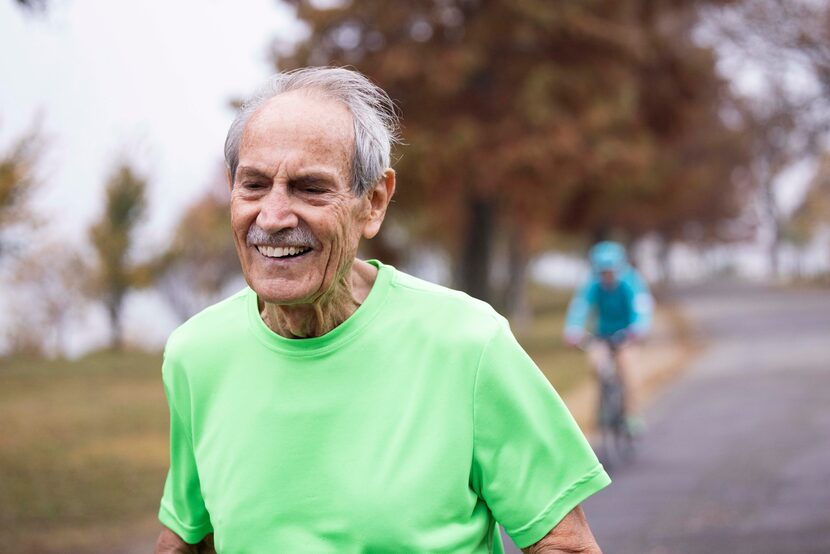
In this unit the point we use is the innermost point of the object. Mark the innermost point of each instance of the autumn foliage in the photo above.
(527, 118)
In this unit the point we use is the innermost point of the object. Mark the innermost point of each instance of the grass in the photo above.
(83, 450)
(564, 366)
(83, 444)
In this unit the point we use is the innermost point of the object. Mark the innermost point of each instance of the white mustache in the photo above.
(295, 236)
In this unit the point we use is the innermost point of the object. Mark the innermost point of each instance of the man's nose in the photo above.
(277, 210)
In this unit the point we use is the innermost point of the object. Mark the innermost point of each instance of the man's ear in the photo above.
(379, 197)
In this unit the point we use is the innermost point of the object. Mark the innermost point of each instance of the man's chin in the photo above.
(284, 292)
(293, 287)
(281, 297)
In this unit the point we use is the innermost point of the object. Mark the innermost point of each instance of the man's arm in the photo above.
(570, 535)
(170, 543)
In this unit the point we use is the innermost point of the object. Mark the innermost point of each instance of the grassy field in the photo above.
(82, 450)
(83, 444)
(564, 366)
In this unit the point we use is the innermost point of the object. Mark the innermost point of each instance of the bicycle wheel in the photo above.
(617, 442)
(624, 447)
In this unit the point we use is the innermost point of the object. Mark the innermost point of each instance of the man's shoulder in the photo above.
(213, 325)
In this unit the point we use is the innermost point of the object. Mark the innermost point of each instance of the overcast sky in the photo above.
(151, 79)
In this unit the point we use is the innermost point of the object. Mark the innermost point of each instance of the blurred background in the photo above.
(693, 131)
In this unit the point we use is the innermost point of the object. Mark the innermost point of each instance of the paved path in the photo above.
(737, 458)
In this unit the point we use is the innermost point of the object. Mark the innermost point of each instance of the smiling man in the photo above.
(339, 405)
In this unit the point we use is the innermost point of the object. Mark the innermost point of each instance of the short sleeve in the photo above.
(182, 506)
(531, 463)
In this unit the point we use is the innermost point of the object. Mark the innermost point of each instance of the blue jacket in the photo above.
(628, 304)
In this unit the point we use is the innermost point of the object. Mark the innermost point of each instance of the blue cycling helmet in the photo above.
(607, 255)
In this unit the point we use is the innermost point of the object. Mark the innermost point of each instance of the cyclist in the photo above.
(615, 301)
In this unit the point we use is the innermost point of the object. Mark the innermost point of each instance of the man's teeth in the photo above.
(281, 251)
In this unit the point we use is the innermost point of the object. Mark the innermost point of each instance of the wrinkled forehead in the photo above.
(305, 114)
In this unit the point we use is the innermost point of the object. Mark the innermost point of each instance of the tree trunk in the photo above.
(114, 311)
(771, 209)
(664, 261)
(473, 270)
(774, 254)
(515, 291)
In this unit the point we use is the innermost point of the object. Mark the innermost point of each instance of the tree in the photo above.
(694, 186)
(113, 237)
(521, 117)
(32, 5)
(785, 45)
(51, 287)
(18, 181)
(493, 99)
(201, 260)
(814, 211)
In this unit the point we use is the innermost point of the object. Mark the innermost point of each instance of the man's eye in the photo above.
(253, 186)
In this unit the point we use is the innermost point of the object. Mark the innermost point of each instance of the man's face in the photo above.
(295, 221)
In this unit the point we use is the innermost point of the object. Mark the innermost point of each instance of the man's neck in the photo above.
(327, 312)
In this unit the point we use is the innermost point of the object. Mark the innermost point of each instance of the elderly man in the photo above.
(339, 405)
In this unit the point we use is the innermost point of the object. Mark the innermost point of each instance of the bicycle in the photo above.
(616, 440)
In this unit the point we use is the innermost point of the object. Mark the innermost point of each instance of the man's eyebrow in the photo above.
(307, 179)
(310, 178)
(252, 171)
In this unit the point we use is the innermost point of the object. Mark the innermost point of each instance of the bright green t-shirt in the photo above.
(411, 427)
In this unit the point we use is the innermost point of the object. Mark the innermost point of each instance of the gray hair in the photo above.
(376, 125)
